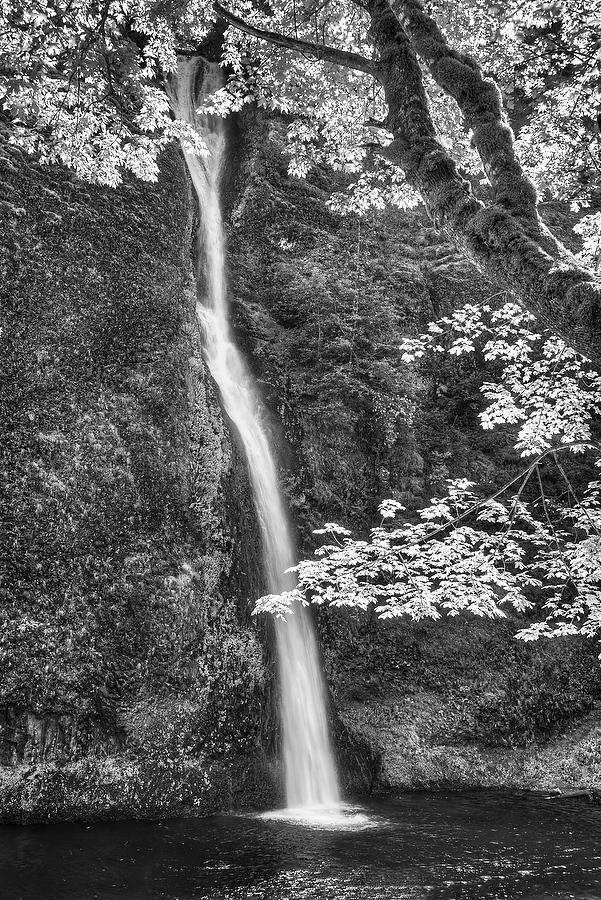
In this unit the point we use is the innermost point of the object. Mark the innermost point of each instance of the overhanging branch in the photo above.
(480, 101)
(318, 51)
(544, 276)
(522, 476)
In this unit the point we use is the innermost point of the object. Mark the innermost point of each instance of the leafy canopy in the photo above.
(83, 83)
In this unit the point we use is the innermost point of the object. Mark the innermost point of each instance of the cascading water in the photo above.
(310, 772)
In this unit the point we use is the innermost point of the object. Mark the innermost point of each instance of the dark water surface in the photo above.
(454, 846)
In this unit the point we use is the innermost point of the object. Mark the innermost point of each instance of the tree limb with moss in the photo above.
(504, 235)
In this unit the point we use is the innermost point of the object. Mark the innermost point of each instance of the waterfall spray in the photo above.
(308, 761)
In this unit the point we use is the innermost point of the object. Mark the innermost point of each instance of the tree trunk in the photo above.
(564, 296)
(481, 104)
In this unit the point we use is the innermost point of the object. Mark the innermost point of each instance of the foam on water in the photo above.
(340, 817)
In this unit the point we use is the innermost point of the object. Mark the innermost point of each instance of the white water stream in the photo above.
(309, 766)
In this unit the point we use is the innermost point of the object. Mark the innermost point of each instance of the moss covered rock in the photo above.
(132, 680)
(125, 635)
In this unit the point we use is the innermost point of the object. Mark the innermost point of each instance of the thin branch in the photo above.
(328, 54)
(376, 123)
(525, 474)
(552, 528)
(571, 491)
(314, 10)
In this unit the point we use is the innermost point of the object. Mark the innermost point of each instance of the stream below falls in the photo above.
(457, 846)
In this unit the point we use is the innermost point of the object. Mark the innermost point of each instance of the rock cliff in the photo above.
(133, 680)
(321, 303)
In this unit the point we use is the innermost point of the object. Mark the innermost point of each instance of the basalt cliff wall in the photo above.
(134, 681)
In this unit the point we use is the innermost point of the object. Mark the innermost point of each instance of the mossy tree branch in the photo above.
(562, 295)
(543, 275)
(479, 99)
(319, 51)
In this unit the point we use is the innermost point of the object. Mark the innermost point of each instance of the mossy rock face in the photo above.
(133, 681)
(117, 786)
(124, 610)
(321, 304)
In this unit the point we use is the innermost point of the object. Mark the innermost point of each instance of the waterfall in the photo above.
(311, 778)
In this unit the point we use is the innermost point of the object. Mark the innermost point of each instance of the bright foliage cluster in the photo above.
(471, 552)
(83, 83)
